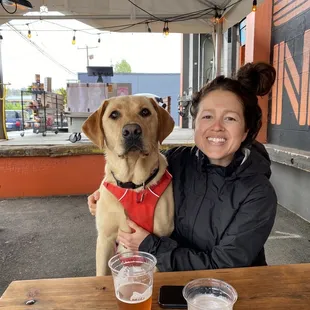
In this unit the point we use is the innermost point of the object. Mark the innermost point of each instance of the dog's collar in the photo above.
(131, 185)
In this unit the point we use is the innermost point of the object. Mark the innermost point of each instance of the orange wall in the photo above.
(50, 176)
(258, 40)
(290, 107)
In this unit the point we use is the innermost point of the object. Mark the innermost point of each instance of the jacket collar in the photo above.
(204, 164)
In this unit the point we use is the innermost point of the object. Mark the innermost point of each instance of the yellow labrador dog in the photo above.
(136, 183)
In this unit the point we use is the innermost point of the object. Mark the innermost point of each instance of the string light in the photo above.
(73, 39)
(166, 29)
(254, 7)
(217, 17)
(177, 18)
(29, 32)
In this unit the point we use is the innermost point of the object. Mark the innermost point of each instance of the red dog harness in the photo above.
(140, 206)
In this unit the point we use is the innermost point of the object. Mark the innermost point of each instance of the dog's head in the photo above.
(128, 124)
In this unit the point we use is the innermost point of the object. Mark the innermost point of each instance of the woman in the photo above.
(225, 206)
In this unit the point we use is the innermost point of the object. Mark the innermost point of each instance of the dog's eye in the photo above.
(115, 115)
(145, 112)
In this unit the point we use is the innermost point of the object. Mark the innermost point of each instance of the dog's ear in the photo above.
(165, 122)
(93, 128)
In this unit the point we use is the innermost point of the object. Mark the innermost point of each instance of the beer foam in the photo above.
(139, 296)
(209, 302)
(130, 301)
(135, 297)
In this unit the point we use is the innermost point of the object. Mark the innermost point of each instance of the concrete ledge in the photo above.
(58, 150)
(290, 157)
(291, 178)
(51, 170)
(292, 188)
(56, 170)
(49, 150)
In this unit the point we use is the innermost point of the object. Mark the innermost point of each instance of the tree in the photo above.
(122, 67)
(63, 92)
(13, 106)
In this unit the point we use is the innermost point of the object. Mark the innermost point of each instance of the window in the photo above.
(242, 32)
(10, 114)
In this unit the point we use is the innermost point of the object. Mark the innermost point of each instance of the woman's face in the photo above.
(220, 126)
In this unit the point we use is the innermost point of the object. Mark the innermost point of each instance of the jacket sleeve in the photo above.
(239, 245)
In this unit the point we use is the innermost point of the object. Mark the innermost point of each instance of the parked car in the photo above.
(14, 120)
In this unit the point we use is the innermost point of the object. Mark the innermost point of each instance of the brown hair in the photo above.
(252, 80)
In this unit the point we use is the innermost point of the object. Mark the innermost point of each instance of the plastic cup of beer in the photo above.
(209, 294)
(133, 279)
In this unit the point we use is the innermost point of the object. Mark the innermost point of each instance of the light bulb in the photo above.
(254, 7)
(217, 17)
(73, 40)
(166, 29)
(29, 34)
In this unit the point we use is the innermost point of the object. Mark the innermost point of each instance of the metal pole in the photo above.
(87, 48)
(87, 56)
(22, 125)
(202, 81)
(218, 48)
(234, 50)
(2, 100)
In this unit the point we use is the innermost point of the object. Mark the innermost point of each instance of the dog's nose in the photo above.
(132, 131)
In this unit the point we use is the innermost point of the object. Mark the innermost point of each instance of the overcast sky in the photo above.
(145, 52)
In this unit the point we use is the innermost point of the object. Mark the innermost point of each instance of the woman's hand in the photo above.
(92, 202)
(132, 241)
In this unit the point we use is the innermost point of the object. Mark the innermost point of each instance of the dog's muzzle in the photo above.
(132, 135)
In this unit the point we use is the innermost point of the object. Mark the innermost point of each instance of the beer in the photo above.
(132, 273)
(134, 296)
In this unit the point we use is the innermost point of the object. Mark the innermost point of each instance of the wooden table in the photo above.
(273, 287)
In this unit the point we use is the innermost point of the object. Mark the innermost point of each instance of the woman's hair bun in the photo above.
(257, 77)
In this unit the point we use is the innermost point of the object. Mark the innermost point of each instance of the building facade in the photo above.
(160, 84)
(277, 33)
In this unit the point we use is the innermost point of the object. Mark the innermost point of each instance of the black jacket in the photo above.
(223, 215)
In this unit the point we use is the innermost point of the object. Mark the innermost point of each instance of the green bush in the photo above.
(13, 106)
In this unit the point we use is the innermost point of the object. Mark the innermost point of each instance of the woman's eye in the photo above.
(230, 119)
(145, 112)
(207, 117)
(115, 115)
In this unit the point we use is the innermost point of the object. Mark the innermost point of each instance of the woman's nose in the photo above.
(217, 125)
